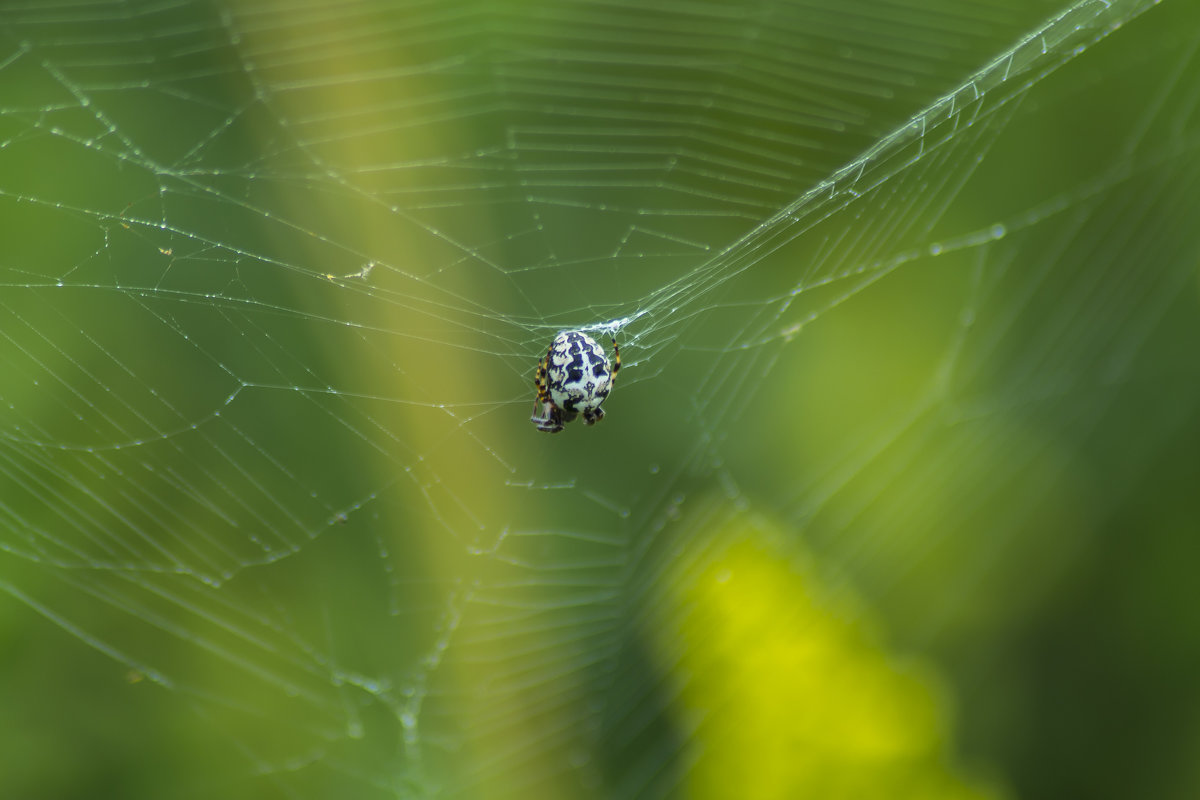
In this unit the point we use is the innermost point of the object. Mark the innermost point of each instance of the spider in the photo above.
(574, 377)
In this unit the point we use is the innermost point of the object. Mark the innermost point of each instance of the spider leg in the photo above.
(539, 381)
(616, 361)
(550, 420)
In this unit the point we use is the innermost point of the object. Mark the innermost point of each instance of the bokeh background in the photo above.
(896, 494)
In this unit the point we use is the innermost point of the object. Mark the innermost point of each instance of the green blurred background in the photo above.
(896, 494)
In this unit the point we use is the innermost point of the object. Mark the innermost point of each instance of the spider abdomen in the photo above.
(578, 374)
(574, 377)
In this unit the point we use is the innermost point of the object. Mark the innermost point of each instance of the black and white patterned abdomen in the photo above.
(578, 375)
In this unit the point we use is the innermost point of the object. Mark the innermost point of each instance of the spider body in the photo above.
(575, 377)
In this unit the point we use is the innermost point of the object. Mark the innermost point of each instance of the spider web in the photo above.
(277, 276)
